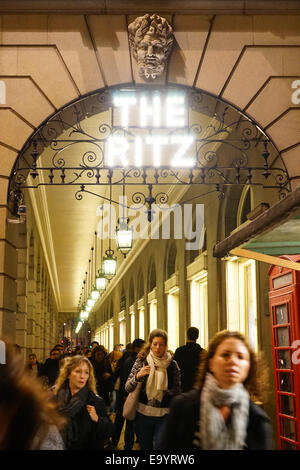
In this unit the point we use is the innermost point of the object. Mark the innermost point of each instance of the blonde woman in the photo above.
(160, 377)
(88, 425)
(220, 412)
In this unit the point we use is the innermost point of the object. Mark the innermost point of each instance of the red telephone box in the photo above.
(284, 301)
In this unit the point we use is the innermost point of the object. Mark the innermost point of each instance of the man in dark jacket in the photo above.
(123, 370)
(188, 359)
(50, 368)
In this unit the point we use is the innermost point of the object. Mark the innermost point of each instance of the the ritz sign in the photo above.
(150, 128)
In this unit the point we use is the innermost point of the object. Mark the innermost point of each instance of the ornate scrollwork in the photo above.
(224, 146)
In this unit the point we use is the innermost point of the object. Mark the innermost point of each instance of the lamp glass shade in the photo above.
(84, 315)
(87, 308)
(109, 265)
(124, 240)
(95, 294)
(100, 283)
(79, 325)
(91, 303)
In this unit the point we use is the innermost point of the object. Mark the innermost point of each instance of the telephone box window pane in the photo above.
(283, 336)
(288, 428)
(283, 359)
(281, 314)
(282, 280)
(285, 382)
(288, 446)
(287, 405)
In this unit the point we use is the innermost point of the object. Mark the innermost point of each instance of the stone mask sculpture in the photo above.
(151, 39)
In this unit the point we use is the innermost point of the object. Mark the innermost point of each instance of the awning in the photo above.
(273, 233)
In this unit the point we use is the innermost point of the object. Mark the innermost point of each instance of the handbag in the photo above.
(131, 402)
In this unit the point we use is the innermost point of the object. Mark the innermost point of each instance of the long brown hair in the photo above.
(257, 379)
(69, 364)
(154, 333)
(26, 411)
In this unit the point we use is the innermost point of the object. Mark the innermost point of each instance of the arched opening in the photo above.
(71, 152)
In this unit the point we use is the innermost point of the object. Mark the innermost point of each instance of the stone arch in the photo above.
(198, 70)
(171, 260)
(131, 293)
(245, 205)
(152, 276)
(122, 298)
(140, 285)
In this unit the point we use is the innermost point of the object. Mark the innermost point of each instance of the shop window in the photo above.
(111, 337)
(123, 332)
(173, 320)
(198, 306)
(142, 323)
(241, 298)
(132, 326)
(153, 316)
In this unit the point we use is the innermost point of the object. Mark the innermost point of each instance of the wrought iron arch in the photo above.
(229, 148)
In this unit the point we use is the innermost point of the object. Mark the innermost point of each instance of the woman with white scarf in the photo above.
(218, 414)
(160, 377)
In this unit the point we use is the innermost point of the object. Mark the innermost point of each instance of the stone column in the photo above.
(161, 304)
(8, 270)
(21, 315)
(182, 291)
(31, 293)
(38, 308)
(48, 334)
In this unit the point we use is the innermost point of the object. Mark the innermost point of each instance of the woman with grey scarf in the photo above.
(218, 414)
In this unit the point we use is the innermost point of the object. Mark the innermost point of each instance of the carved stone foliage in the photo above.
(151, 39)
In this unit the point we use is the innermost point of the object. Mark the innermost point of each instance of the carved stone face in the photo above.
(151, 40)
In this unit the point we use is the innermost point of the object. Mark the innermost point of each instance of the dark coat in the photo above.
(123, 370)
(104, 386)
(183, 419)
(50, 369)
(81, 432)
(188, 359)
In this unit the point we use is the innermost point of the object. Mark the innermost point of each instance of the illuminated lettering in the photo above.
(175, 111)
(147, 140)
(117, 148)
(185, 141)
(124, 100)
(156, 142)
(138, 151)
(153, 111)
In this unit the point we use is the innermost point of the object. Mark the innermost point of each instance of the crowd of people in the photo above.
(192, 399)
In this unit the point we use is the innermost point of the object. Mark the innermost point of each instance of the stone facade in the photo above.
(48, 60)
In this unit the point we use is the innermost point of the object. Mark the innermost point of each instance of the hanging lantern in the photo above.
(95, 294)
(91, 302)
(109, 264)
(84, 315)
(79, 325)
(124, 236)
(100, 281)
